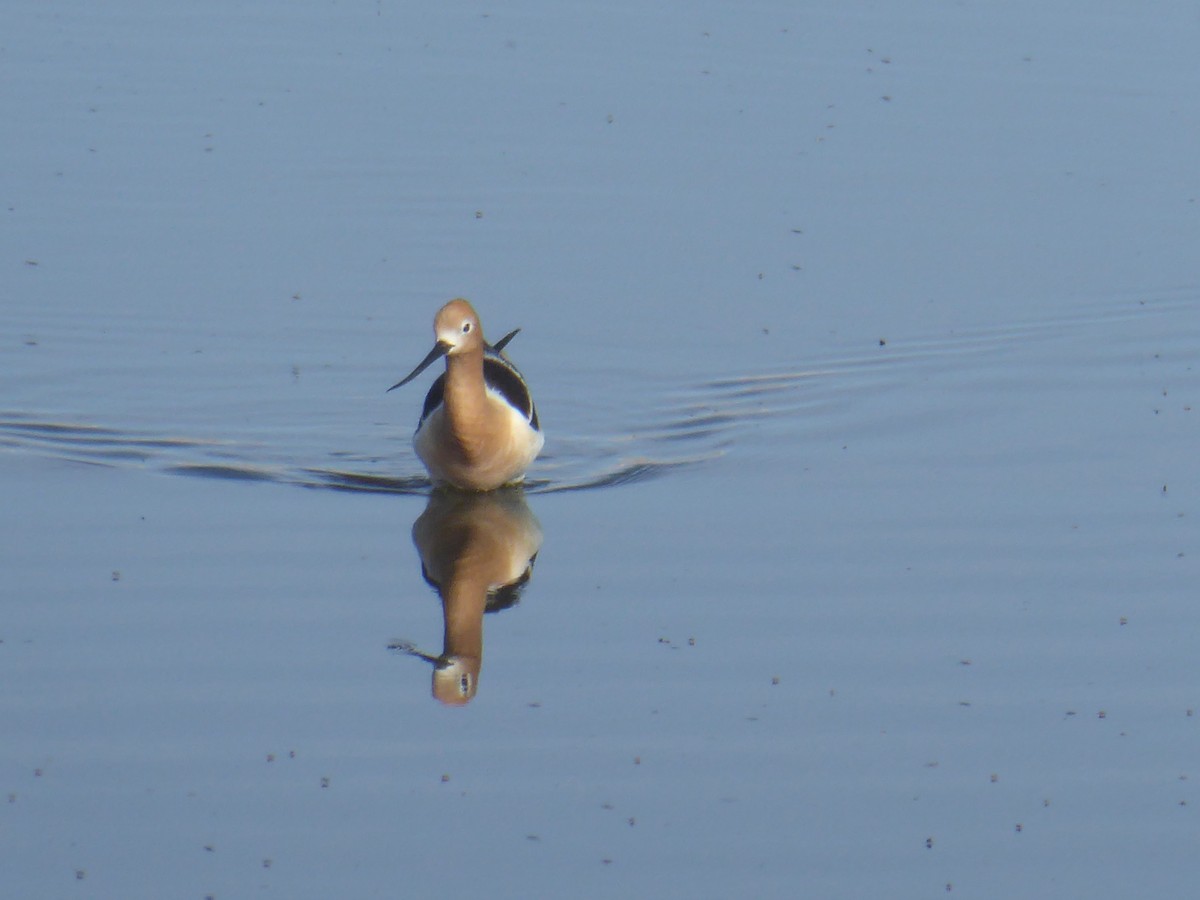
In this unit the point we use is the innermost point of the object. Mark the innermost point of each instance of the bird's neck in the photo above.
(465, 400)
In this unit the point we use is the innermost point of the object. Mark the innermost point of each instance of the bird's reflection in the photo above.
(477, 551)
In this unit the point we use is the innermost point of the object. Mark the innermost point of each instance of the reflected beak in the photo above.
(439, 350)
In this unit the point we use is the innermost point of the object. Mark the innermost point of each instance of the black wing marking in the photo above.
(433, 399)
(502, 376)
(501, 598)
(503, 342)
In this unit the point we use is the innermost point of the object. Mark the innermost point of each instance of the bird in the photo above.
(477, 551)
(479, 428)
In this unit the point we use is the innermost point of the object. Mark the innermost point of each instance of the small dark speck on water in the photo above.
(116, 575)
(445, 778)
(80, 874)
(324, 781)
(1019, 828)
(994, 778)
(775, 679)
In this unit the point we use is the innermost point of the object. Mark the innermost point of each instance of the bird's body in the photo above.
(479, 429)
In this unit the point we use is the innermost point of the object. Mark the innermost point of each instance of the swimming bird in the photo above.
(477, 551)
(479, 429)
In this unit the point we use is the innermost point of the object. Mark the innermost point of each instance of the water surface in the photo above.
(861, 558)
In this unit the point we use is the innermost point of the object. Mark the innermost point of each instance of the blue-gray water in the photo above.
(864, 338)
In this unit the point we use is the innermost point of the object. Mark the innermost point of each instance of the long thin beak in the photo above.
(411, 649)
(439, 350)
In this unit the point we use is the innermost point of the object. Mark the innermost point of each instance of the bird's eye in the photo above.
(466, 327)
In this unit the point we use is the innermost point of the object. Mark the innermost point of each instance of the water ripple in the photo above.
(687, 422)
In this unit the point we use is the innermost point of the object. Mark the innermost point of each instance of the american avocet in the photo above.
(478, 429)
(477, 551)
